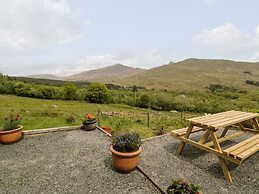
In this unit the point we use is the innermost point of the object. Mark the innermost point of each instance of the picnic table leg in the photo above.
(204, 137)
(224, 132)
(222, 162)
(255, 121)
(182, 144)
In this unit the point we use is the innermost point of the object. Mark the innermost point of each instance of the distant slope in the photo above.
(45, 76)
(106, 74)
(196, 74)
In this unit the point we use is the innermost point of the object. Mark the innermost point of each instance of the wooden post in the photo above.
(148, 120)
(99, 120)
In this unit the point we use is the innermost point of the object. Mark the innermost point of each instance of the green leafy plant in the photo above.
(11, 122)
(180, 186)
(126, 142)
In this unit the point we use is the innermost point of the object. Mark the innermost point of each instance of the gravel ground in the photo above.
(65, 162)
(161, 164)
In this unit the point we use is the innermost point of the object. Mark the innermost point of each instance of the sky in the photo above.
(65, 37)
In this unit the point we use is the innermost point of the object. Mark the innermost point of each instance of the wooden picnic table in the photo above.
(210, 125)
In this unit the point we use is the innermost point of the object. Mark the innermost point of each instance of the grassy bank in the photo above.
(38, 113)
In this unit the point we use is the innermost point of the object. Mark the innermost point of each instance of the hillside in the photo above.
(106, 74)
(45, 76)
(196, 74)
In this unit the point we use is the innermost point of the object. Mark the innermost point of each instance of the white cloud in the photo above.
(26, 24)
(228, 41)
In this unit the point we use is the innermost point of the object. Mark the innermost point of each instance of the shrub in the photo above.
(70, 91)
(180, 186)
(97, 93)
(126, 142)
(143, 101)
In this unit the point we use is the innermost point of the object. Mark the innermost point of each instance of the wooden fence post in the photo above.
(99, 121)
(148, 120)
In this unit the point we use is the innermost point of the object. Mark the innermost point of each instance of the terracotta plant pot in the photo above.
(125, 162)
(11, 136)
(89, 126)
(108, 129)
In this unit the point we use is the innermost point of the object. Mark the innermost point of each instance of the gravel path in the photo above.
(65, 162)
(161, 164)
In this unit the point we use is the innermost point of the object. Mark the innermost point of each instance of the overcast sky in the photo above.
(64, 37)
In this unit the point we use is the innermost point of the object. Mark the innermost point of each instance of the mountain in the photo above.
(45, 76)
(195, 74)
(106, 74)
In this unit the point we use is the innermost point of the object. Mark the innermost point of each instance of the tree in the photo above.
(70, 91)
(97, 93)
(143, 101)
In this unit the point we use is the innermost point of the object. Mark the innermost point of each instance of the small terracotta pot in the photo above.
(11, 136)
(125, 162)
(108, 129)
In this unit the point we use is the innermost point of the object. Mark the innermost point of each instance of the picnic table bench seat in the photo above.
(182, 132)
(244, 149)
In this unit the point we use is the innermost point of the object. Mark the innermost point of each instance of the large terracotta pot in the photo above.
(89, 126)
(11, 136)
(125, 162)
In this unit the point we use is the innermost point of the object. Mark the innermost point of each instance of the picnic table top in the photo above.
(223, 119)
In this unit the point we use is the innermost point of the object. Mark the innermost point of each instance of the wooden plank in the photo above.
(227, 151)
(225, 169)
(181, 132)
(204, 137)
(208, 116)
(248, 152)
(232, 120)
(215, 141)
(223, 165)
(208, 149)
(224, 132)
(223, 116)
(222, 139)
(245, 147)
(256, 124)
(187, 134)
(241, 126)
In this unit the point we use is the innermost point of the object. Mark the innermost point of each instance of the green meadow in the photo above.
(41, 113)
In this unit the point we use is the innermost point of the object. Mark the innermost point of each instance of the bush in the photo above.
(143, 101)
(97, 93)
(70, 91)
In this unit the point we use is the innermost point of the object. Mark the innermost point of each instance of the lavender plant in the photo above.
(126, 142)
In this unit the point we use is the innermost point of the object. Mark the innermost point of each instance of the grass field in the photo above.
(38, 113)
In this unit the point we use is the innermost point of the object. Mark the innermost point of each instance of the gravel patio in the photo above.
(80, 162)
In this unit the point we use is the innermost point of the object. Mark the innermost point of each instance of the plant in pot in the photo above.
(180, 186)
(12, 131)
(125, 151)
(89, 122)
